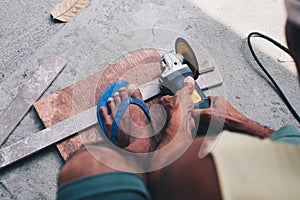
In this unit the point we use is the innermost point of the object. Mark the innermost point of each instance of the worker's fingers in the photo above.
(189, 82)
(217, 107)
(188, 87)
(201, 112)
(219, 104)
(184, 93)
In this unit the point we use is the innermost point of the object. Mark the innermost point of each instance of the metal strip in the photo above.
(150, 89)
(42, 139)
(33, 89)
(209, 80)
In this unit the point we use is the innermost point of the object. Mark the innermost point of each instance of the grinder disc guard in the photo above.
(182, 47)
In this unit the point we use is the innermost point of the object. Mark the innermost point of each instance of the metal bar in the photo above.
(66, 128)
(150, 89)
(209, 80)
(42, 139)
(32, 90)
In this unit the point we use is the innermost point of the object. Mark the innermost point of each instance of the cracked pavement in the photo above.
(28, 34)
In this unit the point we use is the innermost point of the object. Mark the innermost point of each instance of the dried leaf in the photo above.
(67, 9)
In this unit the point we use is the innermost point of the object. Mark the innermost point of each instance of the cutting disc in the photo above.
(182, 47)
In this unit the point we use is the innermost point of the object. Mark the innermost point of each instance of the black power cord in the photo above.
(280, 92)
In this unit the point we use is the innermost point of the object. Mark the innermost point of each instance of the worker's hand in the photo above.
(179, 110)
(221, 111)
(177, 135)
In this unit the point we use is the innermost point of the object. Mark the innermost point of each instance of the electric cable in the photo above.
(277, 87)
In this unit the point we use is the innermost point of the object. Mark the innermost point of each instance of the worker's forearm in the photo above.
(249, 126)
(258, 130)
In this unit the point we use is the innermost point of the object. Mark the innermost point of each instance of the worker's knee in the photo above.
(189, 177)
(82, 164)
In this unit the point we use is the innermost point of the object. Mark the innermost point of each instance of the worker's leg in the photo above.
(80, 165)
(188, 177)
(83, 169)
(85, 177)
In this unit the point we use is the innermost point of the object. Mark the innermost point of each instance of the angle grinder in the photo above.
(176, 67)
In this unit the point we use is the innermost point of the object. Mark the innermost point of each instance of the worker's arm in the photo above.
(223, 112)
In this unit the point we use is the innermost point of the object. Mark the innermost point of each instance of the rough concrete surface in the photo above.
(104, 32)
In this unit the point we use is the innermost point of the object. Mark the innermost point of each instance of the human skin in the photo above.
(192, 178)
(180, 109)
(188, 177)
(75, 169)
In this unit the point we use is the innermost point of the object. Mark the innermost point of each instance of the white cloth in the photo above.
(293, 10)
(251, 168)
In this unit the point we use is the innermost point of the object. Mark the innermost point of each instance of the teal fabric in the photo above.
(108, 186)
(287, 134)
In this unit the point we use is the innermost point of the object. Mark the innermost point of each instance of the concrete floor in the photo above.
(27, 34)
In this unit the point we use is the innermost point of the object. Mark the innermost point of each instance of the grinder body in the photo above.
(174, 71)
